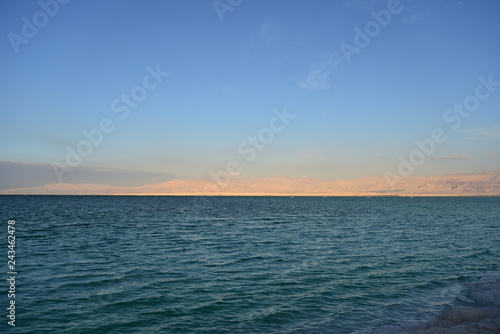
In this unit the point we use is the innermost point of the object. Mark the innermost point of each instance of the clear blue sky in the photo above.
(225, 77)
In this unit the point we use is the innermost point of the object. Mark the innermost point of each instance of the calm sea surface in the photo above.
(98, 264)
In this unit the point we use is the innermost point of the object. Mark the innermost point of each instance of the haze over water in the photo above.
(112, 264)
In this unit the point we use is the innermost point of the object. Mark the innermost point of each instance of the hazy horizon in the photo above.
(478, 184)
(130, 93)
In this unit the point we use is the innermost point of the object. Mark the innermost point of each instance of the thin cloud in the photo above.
(453, 157)
(227, 92)
(484, 133)
(493, 156)
(317, 78)
(33, 174)
(269, 30)
(359, 4)
(415, 17)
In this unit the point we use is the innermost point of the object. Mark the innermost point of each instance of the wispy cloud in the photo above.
(32, 174)
(359, 4)
(317, 78)
(484, 133)
(453, 157)
(269, 30)
(493, 156)
(266, 34)
(415, 17)
(227, 92)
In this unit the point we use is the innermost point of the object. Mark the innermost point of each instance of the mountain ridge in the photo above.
(475, 184)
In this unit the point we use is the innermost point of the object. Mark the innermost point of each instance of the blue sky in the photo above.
(225, 77)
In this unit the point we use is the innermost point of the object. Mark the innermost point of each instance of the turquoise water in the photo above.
(98, 264)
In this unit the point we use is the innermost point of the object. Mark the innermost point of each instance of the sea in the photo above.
(174, 264)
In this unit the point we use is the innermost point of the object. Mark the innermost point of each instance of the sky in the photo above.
(140, 92)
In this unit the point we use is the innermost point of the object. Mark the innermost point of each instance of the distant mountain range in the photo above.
(479, 184)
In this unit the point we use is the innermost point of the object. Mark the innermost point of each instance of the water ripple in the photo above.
(90, 264)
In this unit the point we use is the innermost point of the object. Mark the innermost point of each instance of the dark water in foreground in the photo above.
(92, 264)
